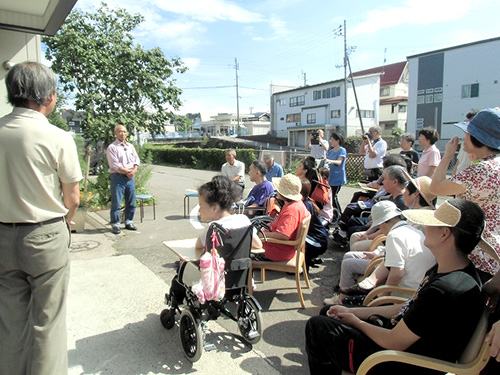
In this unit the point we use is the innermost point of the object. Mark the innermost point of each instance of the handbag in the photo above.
(320, 193)
(213, 279)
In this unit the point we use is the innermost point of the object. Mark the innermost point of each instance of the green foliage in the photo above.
(198, 158)
(113, 80)
(55, 117)
(396, 132)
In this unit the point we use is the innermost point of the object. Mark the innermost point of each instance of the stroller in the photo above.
(237, 304)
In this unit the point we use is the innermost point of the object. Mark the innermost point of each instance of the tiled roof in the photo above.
(391, 73)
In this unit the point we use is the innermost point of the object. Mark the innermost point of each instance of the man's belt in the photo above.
(46, 222)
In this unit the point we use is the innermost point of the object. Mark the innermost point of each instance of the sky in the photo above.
(292, 42)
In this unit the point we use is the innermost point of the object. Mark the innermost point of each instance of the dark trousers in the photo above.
(332, 347)
(335, 198)
(352, 209)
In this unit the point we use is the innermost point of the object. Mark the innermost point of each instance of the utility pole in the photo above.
(237, 97)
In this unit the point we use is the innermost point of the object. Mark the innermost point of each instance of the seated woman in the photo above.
(286, 225)
(307, 169)
(317, 235)
(215, 199)
(438, 321)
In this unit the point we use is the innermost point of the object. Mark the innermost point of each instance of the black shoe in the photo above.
(130, 226)
(116, 230)
(316, 261)
(342, 241)
(355, 290)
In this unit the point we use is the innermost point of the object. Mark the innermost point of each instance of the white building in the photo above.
(21, 22)
(296, 113)
(227, 124)
(446, 84)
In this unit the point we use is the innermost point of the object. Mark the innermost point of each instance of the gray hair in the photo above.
(232, 151)
(30, 83)
(396, 172)
(268, 156)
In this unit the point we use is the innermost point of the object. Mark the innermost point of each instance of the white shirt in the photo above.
(380, 148)
(231, 171)
(317, 151)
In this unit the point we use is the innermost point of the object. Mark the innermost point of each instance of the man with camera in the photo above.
(318, 145)
(374, 148)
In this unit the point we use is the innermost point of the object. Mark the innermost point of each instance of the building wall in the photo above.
(451, 70)
(316, 112)
(15, 47)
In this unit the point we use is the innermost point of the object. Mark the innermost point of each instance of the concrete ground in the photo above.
(118, 282)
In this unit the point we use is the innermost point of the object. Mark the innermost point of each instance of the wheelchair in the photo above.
(237, 304)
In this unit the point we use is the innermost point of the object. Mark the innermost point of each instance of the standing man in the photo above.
(374, 148)
(123, 163)
(273, 168)
(39, 181)
(318, 145)
(234, 169)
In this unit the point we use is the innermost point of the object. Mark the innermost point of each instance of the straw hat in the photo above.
(288, 186)
(423, 184)
(446, 215)
(383, 211)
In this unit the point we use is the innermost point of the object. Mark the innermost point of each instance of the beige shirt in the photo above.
(35, 157)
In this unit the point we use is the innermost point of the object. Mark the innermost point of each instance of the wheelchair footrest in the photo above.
(208, 346)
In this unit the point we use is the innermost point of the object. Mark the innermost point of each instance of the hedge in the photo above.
(199, 158)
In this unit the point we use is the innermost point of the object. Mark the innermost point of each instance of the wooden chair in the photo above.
(473, 359)
(295, 265)
(374, 298)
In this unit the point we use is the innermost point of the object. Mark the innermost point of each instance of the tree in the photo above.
(55, 117)
(114, 81)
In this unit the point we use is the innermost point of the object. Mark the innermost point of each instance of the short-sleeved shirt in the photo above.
(405, 249)
(35, 158)
(317, 151)
(229, 222)
(399, 202)
(261, 192)
(288, 222)
(380, 148)
(231, 171)
(337, 172)
(275, 171)
(412, 154)
(430, 158)
(121, 155)
(444, 312)
(481, 181)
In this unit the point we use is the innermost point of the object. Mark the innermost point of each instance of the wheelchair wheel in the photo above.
(167, 318)
(250, 322)
(191, 336)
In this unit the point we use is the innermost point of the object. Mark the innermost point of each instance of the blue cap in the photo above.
(485, 127)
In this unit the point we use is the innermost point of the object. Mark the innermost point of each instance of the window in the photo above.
(316, 94)
(297, 100)
(282, 102)
(420, 92)
(365, 113)
(384, 91)
(429, 91)
(470, 90)
(335, 113)
(311, 118)
(402, 108)
(420, 99)
(335, 91)
(293, 117)
(429, 98)
(438, 98)
(326, 94)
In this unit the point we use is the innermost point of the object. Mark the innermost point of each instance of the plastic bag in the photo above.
(213, 278)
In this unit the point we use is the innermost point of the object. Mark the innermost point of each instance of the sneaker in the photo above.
(334, 300)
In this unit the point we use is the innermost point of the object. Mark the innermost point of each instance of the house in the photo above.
(445, 84)
(227, 124)
(393, 103)
(296, 113)
(21, 23)
(74, 119)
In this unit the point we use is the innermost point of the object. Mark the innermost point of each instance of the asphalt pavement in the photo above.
(118, 282)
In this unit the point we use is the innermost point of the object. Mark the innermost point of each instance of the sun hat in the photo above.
(485, 127)
(446, 215)
(383, 211)
(289, 186)
(422, 184)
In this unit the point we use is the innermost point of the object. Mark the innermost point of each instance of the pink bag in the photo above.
(213, 277)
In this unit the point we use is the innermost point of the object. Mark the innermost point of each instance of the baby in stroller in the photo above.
(236, 238)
